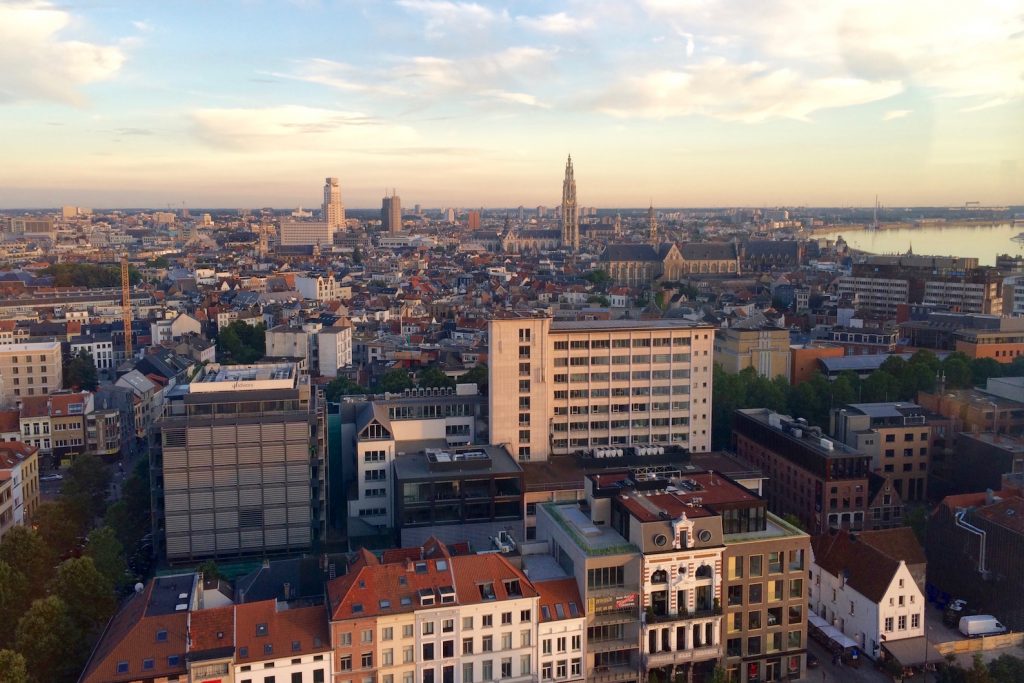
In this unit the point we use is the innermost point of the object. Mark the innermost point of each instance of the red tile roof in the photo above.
(212, 628)
(556, 596)
(35, 406)
(899, 544)
(868, 570)
(262, 631)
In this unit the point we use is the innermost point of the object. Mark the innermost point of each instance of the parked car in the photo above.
(812, 661)
(953, 612)
(51, 477)
(980, 625)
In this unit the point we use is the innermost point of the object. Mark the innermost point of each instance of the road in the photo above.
(827, 672)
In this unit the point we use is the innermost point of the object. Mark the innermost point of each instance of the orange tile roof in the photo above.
(212, 628)
(60, 404)
(262, 631)
(9, 421)
(473, 570)
(35, 406)
(13, 453)
(563, 592)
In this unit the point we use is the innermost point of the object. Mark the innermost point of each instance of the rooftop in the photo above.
(615, 325)
(444, 463)
(591, 538)
(260, 376)
(798, 432)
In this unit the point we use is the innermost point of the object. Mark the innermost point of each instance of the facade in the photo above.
(319, 287)
(241, 464)
(977, 295)
(671, 567)
(570, 211)
(858, 341)
(880, 296)
(898, 438)
(19, 484)
(822, 481)
(296, 233)
(174, 329)
(31, 369)
(333, 209)
(583, 385)
(391, 213)
(1001, 345)
(757, 343)
(334, 348)
(99, 346)
(866, 594)
(804, 360)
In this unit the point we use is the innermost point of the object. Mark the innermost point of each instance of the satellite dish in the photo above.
(139, 587)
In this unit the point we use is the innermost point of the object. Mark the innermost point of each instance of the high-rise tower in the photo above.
(334, 210)
(391, 213)
(570, 211)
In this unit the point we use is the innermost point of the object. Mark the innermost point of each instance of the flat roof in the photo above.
(602, 325)
(260, 376)
(169, 592)
(590, 537)
(29, 347)
(417, 466)
(891, 409)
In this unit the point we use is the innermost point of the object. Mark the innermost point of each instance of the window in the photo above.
(387, 657)
(545, 671)
(487, 644)
(576, 642)
(902, 622)
(407, 631)
(448, 625)
(525, 665)
(736, 595)
(487, 672)
(467, 646)
(488, 620)
(506, 641)
(387, 633)
(467, 672)
(345, 638)
(754, 593)
(407, 654)
(428, 652)
(448, 649)
(524, 639)
(755, 566)
(577, 666)
(345, 663)
(467, 623)
(524, 615)
(560, 668)
(545, 646)
(506, 667)
(605, 577)
(753, 620)
(366, 636)
(915, 621)
(754, 645)
(122, 667)
(888, 624)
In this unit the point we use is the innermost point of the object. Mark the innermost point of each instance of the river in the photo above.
(982, 242)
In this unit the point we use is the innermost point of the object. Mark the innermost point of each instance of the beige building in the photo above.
(306, 233)
(32, 369)
(562, 387)
(754, 343)
(19, 484)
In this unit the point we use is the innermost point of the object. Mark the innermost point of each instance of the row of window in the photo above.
(754, 564)
(639, 423)
(756, 592)
(758, 619)
(645, 342)
(626, 376)
(639, 359)
(618, 392)
(773, 642)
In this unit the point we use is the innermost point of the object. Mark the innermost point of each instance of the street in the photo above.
(827, 672)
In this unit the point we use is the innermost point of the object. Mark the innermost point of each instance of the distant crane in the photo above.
(126, 307)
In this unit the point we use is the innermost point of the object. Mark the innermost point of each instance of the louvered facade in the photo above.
(242, 471)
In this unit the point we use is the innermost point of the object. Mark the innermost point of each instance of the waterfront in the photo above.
(982, 242)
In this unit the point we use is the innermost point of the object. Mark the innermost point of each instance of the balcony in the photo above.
(612, 674)
(668, 658)
(611, 644)
(617, 616)
(653, 618)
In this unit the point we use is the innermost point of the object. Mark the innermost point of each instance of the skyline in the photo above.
(684, 104)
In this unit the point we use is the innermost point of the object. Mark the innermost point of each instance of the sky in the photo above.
(679, 103)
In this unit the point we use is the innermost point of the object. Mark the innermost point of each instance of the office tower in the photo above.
(31, 369)
(240, 463)
(305, 233)
(333, 209)
(473, 220)
(563, 387)
(391, 213)
(570, 212)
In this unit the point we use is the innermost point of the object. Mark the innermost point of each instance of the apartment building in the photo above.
(898, 438)
(754, 343)
(19, 484)
(325, 348)
(294, 233)
(561, 631)
(561, 387)
(240, 464)
(866, 594)
(982, 293)
(321, 288)
(1003, 345)
(672, 569)
(879, 296)
(822, 481)
(30, 369)
(433, 614)
(374, 433)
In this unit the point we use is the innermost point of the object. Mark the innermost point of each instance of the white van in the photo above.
(980, 625)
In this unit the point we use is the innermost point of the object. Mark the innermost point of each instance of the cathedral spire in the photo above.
(652, 224)
(570, 211)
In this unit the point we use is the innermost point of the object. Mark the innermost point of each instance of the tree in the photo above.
(793, 520)
(917, 519)
(209, 570)
(130, 516)
(13, 668)
(25, 551)
(59, 525)
(393, 381)
(89, 275)
(357, 256)
(720, 675)
(241, 342)
(978, 673)
(49, 641)
(88, 479)
(600, 300)
(983, 368)
(880, 386)
(1006, 669)
(342, 386)
(957, 369)
(14, 600)
(477, 375)
(434, 377)
(88, 595)
(107, 554)
(598, 278)
(80, 372)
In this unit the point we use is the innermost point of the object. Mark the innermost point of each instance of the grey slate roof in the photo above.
(708, 251)
(629, 252)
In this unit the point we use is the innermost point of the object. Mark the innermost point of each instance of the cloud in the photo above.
(337, 75)
(559, 22)
(516, 97)
(36, 63)
(896, 114)
(748, 93)
(442, 15)
(142, 26)
(293, 127)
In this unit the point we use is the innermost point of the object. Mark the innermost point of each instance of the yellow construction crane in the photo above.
(126, 307)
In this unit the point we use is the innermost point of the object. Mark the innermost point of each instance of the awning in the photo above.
(912, 652)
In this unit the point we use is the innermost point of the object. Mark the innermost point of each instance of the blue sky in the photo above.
(679, 102)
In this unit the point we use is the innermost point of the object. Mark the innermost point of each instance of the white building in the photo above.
(561, 631)
(863, 592)
(875, 295)
(319, 287)
(99, 346)
(334, 346)
(173, 329)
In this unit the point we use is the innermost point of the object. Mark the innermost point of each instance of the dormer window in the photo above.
(268, 649)
(487, 591)
(296, 646)
(357, 607)
(148, 664)
(447, 594)
(385, 604)
(426, 596)
(442, 565)
(512, 588)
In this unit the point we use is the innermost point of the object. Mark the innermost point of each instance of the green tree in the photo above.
(978, 673)
(433, 376)
(719, 675)
(598, 278)
(601, 300)
(477, 375)
(209, 570)
(89, 596)
(89, 275)
(25, 551)
(926, 358)
(880, 386)
(357, 256)
(845, 389)
(48, 639)
(793, 520)
(393, 381)
(14, 600)
(107, 554)
(917, 519)
(13, 668)
(983, 368)
(60, 525)
(88, 479)
(80, 372)
(1006, 669)
(130, 516)
(342, 386)
(241, 343)
(957, 372)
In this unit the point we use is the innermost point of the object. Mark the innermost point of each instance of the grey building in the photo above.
(239, 464)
